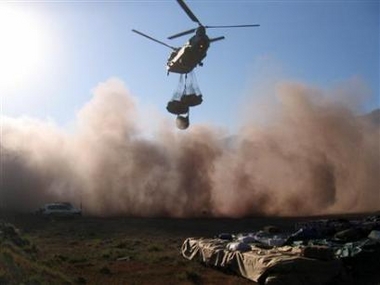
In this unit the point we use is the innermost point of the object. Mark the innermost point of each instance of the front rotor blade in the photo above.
(217, 39)
(188, 11)
(157, 41)
(233, 26)
(182, 34)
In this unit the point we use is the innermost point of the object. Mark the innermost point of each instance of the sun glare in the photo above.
(22, 47)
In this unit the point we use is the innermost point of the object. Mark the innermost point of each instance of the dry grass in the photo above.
(121, 250)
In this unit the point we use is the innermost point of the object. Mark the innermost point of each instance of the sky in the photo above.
(57, 52)
(83, 108)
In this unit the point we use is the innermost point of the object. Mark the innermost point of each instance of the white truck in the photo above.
(60, 209)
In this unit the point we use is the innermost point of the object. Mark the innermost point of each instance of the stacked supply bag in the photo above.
(185, 96)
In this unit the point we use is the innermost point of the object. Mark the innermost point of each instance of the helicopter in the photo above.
(184, 59)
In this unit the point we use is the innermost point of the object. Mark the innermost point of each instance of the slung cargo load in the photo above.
(184, 59)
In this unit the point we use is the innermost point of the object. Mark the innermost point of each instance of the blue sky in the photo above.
(319, 43)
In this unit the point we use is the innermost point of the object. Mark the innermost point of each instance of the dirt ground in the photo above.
(138, 250)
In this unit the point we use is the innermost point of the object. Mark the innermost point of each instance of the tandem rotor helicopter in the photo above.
(183, 60)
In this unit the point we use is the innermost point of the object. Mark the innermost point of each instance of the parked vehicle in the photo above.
(60, 209)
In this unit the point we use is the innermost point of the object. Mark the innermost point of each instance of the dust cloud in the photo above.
(313, 155)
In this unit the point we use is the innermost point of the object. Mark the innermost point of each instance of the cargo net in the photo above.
(186, 95)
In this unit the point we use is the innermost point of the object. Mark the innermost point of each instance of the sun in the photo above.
(22, 46)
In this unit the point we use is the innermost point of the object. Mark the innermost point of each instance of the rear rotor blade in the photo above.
(217, 39)
(153, 39)
(233, 26)
(182, 34)
(188, 11)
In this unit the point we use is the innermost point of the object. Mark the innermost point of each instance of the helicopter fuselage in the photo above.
(186, 58)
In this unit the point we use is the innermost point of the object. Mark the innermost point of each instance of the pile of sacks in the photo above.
(317, 252)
